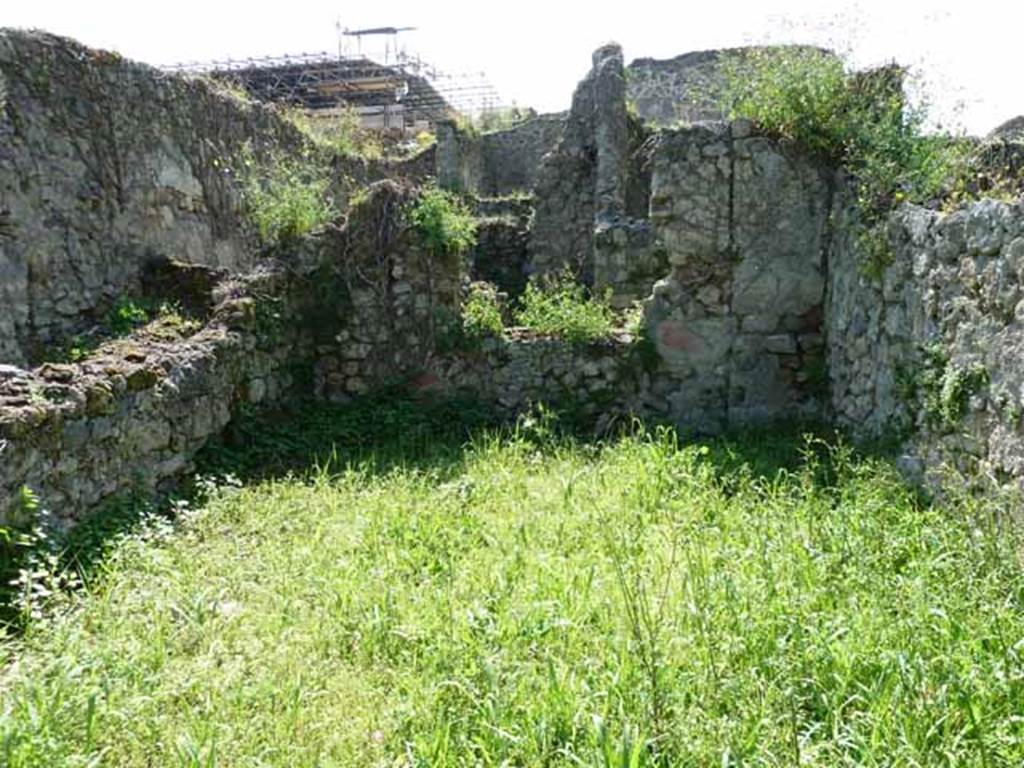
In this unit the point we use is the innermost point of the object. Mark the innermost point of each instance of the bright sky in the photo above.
(535, 52)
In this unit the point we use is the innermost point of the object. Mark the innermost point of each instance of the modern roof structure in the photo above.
(401, 94)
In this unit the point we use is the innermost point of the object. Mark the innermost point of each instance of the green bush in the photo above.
(479, 316)
(481, 312)
(341, 132)
(446, 226)
(286, 197)
(858, 119)
(502, 118)
(560, 306)
(125, 316)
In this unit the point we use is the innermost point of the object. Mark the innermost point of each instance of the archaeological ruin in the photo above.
(740, 249)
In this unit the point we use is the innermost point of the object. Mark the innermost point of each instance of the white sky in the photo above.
(535, 52)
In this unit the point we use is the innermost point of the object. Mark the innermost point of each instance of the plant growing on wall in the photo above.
(481, 312)
(944, 387)
(479, 317)
(444, 223)
(341, 132)
(286, 196)
(558, 305)
(860, 120)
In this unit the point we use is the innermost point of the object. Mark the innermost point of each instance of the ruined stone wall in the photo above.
(496, 163)
(133, 414)
(929, 349)
(459, 163)
(512, 157)
(390, 298)
(105, 164)
(603, 380)
(582, 183)
(758, 300)
(684, 89)
(501, 254)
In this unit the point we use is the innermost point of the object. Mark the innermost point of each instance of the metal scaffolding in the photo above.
(404, 92)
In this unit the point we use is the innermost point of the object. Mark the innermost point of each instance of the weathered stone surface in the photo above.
(104, 165)
(1012, 129)
(116, 424)
(932, 352)
(495, 163)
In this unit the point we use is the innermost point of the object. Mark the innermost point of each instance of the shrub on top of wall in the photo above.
(481, 312)
(447, 227)
(341, 132)
(286, 197)
(558, 305)
(859, 119)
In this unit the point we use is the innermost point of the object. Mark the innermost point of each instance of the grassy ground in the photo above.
(529, 600)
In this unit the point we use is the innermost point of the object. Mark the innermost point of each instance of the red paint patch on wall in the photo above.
(426, 382)
(673, 335)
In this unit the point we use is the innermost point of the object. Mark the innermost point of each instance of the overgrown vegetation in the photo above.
(340, 132)
(861, 120)
(941, 388)
(527, 599)
(480, 317)
(445, 224)
(481, 311)
(559, 305)
(944, 387)
(286, 196)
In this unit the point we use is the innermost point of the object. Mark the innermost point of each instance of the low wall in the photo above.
(134, 414)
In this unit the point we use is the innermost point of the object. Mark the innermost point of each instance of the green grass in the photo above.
(527, 599)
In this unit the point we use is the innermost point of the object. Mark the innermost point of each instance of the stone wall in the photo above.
(390, 298)
(758, 300)
(105, 164)
(496, 163)
(743, 222)
(929, 351)
(584, 182)
(501, 254)
(603, 380)
(512, 157)
(133, 414)
(350, 309)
